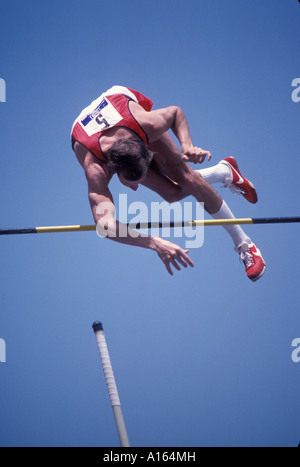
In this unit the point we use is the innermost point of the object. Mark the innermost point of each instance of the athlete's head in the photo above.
(130, 158)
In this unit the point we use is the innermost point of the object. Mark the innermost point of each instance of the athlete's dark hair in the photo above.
(131, 157)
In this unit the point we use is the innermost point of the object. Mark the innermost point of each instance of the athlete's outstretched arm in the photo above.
(103, 209)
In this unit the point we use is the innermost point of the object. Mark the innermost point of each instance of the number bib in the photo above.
(103, 117)
(110, 110)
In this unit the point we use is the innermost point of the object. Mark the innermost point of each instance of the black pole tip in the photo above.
(97, 326)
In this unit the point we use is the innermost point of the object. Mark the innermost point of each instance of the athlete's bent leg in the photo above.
(170, 162)
(227, 172)
(163, 186)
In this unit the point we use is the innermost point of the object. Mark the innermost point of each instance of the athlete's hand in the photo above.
(172, 254)
(195, 155)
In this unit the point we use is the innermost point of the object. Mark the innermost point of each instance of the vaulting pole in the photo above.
(111, 384)
(153, 225)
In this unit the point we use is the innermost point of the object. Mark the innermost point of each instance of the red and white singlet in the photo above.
(110, 110)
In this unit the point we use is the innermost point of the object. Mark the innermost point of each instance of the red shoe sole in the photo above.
(251, 196)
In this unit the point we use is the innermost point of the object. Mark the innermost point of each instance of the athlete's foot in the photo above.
(254, 263)
(237, 183)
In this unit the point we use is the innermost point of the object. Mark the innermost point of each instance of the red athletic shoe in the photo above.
(239, 184)
(253, 261)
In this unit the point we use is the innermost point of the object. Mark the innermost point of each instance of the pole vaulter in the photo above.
(120, 134)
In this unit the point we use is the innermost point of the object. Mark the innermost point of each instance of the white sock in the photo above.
(237, 234)
(217, 174)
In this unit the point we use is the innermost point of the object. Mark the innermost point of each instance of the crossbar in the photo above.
(154, 225)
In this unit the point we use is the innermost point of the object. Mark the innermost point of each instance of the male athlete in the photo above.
(119, 133)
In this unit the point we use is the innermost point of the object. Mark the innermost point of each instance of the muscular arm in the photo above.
(157, 122)
(103, 209)
(169, 118)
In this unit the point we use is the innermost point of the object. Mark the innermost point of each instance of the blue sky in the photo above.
(202, 358)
